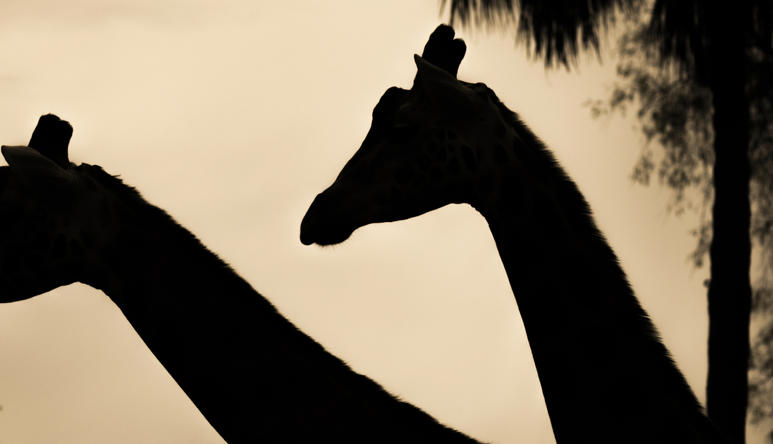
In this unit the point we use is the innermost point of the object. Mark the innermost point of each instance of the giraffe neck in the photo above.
(251, 372)
(604, 372)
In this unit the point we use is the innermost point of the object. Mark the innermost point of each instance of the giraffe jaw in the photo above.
(335, 214)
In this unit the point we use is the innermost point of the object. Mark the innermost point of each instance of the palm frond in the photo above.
(688, 32)
(555, 30)
(681, 30)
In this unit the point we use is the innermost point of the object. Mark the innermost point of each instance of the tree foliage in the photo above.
(713, 44)
(675, 116)
(556, 31)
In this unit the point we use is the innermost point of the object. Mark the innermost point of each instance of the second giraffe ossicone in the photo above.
(605, 374)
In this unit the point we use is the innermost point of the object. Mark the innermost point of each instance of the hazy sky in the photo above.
(232, 116)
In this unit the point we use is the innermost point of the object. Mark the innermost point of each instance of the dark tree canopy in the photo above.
(684, 31)
(558, 30)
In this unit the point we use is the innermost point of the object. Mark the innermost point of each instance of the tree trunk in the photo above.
(729, 296)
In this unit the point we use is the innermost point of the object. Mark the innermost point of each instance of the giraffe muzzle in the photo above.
(323, 224)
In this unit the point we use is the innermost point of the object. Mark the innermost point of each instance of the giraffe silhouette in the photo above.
(251, 372)
(605, 374)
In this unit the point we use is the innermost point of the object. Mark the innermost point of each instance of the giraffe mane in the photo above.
(133, 204)
(544, 162)
(188, 242)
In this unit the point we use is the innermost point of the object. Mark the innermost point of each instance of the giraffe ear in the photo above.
(35, 168)
(442, 88)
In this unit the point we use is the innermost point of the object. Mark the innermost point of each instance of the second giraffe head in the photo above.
(427, 147)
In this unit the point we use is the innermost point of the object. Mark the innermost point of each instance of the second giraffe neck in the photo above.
(250, 371)
(604, 372)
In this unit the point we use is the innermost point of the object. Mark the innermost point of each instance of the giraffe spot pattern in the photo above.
(87, 238)
(381, 197)
(59, 245)
(39, 241)
(453, 166)
(76, 249)
(11, 267)
(423, 162)
(104, 211)
(403, 174)
(469, 159)
(486, 186)
(499, 129)
(500, 154)
(437, 152)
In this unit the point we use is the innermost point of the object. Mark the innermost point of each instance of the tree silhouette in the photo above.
(675, 112)
(706, 42)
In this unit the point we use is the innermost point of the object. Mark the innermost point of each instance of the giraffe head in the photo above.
(427, 147)
(50, 209)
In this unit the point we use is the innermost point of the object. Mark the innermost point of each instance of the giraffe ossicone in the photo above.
(444, 50)
(52, 138)
(605, 374)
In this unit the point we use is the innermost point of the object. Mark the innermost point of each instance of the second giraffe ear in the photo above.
(441, 87)
(34, 168)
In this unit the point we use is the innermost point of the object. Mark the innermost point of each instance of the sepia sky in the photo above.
(232, 115)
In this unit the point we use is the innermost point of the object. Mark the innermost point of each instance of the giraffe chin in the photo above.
(325, 240)
(323, 234)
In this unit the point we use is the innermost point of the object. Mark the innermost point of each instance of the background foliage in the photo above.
(675, 115)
